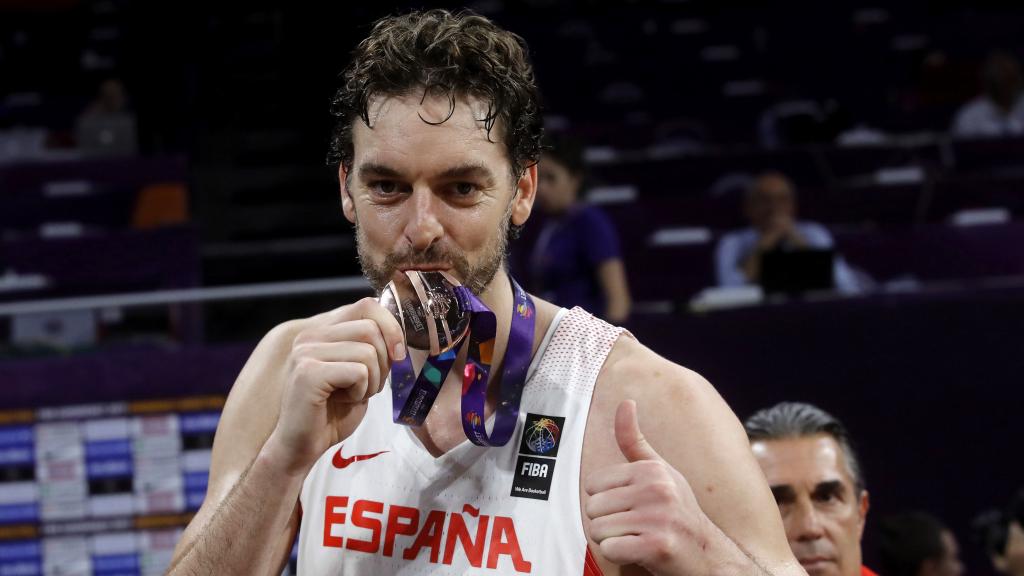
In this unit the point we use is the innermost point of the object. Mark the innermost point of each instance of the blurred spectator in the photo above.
(918, 544)
(771, 207)
(988, 530)
(577, 260)
(1002, 536)
(1013, 554)
(812, 469)
(107, 126)
(999, 111)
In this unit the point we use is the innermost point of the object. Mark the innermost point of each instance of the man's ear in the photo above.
(347, 205)
(862, 510)
(526, 193)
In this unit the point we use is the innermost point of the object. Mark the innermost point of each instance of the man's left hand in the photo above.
(644, 512)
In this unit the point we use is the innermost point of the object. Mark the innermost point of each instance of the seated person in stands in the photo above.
(999, 111)
(917, 544)
(771, 207)
(577, 260)
(107, 127)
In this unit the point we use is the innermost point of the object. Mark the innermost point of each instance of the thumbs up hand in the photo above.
(644, 512)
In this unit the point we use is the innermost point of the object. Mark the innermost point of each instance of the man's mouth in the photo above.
(815, 562)
(425, 267)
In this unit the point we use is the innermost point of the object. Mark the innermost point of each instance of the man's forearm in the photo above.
(737, 562)
(734, 561)
(727, 558)
(244, 533)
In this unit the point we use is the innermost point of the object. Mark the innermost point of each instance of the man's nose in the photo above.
(803, 523)
(423, 228)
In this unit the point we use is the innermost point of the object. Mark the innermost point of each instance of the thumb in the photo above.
(627, 433)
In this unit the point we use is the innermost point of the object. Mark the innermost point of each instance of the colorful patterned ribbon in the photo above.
(412, 395)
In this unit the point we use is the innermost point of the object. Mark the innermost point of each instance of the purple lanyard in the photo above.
(412, 396)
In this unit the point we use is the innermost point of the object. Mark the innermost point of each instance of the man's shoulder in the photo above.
(680, 414)
(634, 371)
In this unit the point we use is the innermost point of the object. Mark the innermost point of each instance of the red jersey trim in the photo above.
(590, 567)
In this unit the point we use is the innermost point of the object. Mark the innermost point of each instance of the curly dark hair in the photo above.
(449, 54)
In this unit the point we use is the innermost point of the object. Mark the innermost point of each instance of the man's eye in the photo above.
(384, 187)
(464, 188)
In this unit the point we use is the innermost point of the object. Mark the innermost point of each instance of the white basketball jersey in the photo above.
(379, 504)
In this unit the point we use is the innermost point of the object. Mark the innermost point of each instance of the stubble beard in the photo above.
(474, 277)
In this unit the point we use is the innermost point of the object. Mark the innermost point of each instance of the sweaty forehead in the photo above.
(410, 132)
(802, 463)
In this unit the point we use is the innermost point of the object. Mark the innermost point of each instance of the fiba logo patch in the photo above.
(541, 435)
(538, 447)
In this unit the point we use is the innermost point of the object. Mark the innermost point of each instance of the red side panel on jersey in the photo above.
(590, 567)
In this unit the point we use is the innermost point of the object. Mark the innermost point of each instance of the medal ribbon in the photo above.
(412, 395)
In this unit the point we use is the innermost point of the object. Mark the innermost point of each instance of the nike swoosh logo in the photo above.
(340, 461)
